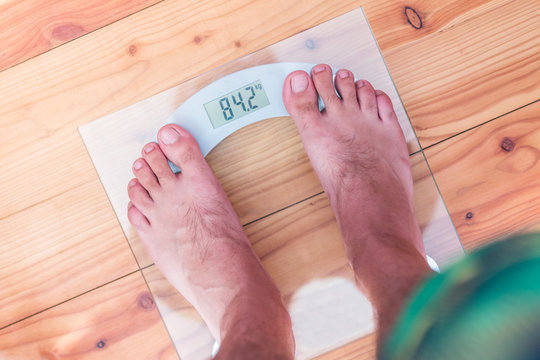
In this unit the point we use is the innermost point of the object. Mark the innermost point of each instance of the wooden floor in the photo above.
(468, 73)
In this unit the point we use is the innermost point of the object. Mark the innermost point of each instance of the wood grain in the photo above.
(40, 170)
(31, 27)
(398, 23)
(470, 73)
(117, 321)
(492, 173)
(51, 252)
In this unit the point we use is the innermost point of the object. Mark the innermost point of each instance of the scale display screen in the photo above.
(237, 103)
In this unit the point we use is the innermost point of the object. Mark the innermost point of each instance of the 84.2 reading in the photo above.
(237, 99)
(236, 104)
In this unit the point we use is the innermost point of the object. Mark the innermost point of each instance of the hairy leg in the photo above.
(359, 153)
(191, 231)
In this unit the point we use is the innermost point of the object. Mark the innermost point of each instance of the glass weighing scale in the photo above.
(236, 113)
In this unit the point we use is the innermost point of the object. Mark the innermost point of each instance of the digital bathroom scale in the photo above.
(237, 115)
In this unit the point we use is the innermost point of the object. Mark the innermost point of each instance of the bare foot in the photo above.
(358, 150)
(191, 231)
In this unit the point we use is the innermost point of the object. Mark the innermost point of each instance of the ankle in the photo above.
(388, 280)
(257, 328)
(376, 259)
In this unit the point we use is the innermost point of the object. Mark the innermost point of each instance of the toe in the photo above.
(139, 196)
(384, 106)
(137, 219)
(301, 99)
(158, 162)
(323, 80)
(145, 175)
(345, 87)
(180, 147)
(366, 97)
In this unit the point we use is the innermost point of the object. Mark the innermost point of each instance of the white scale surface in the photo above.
(326, 311)
(192, 114)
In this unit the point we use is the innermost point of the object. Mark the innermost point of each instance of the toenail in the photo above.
(343, 74)
(148, 148)
(360, 83)
(138, 164)
(378, 92)
(169, 135)
(132, 183)
(299, 83)
(319, 68)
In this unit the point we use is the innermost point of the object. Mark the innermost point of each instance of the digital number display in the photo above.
(237, 103)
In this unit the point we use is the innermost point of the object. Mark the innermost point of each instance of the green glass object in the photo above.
(486, 306)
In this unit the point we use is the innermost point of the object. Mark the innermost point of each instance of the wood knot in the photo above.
(237, 43)
(66, 32)
(100, 344)
(507, 144)
(413, 18)
(469, 215)
(132, 50)
(145, 301)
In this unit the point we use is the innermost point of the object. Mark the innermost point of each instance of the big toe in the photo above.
(180, 147)
(301, 99)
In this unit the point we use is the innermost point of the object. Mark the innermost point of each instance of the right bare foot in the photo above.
(359, 153)
(191, 231)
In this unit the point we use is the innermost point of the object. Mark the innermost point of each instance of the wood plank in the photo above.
(32, 27)
(302, 250)
(470, 73)
(499, 188)
(51, 251)
(117, 321)
(397, 23)
(44, 169)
